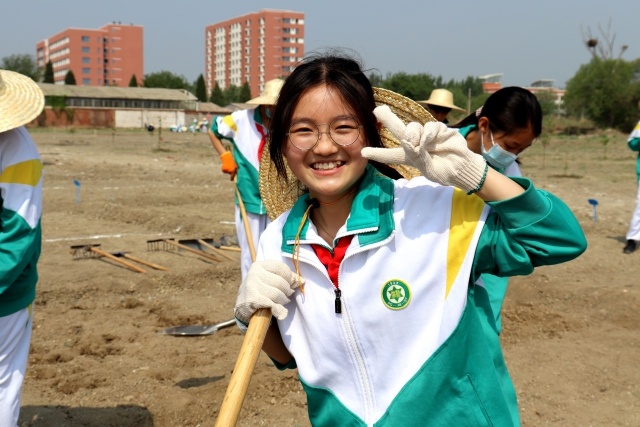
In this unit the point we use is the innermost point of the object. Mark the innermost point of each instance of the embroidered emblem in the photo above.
(396, 294)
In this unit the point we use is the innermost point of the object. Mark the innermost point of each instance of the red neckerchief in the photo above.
(332, 261)
(260, 128)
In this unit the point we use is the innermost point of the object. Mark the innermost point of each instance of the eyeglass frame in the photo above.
(328, 132)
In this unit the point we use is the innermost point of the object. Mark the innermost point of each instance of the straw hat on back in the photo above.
(441, 98)
(269, 95)
(279, 194)
(21, 100)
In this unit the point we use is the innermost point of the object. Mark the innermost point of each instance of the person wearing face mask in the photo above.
(247, 130)
(506, 125)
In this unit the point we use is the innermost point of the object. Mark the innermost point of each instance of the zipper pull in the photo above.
(338, 303)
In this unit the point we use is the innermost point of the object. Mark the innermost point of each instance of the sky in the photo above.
(525, 41)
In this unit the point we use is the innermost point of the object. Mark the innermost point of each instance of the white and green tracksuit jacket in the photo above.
(21, 209)
(408, 348)
(245, 131)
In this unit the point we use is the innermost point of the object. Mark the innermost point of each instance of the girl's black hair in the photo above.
(509, 109)
(340, 72)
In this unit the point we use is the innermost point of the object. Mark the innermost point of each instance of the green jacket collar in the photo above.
(371, 216)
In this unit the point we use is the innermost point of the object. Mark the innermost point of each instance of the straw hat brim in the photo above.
(269, 95)
(263, 100)
(279, 195)
(21, 100)
(440, 104)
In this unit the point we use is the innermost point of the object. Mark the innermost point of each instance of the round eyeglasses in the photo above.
(343, 131)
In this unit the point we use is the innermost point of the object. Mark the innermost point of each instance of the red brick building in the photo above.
(256, 47)
(107, 56)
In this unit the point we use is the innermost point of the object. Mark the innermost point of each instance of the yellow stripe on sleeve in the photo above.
(228, 120)
(465, 213)
(28, 173)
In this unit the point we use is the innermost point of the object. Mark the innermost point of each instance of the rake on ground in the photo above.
(93, 251)
(170, 244)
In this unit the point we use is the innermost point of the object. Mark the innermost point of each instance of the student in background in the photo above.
(633, 234)
(247, 130)
(21, 101)
(440, 104)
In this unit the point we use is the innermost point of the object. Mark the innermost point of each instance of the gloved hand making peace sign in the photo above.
(438, 152)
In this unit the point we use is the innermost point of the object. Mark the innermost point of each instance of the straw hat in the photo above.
(269, 95)
(279, 195)
(21, 100)
(441, 98)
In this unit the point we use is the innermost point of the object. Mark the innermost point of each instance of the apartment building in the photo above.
(256, 47)
(107, 56)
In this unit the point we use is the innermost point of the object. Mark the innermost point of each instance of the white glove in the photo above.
(438, 152)
(268, 284)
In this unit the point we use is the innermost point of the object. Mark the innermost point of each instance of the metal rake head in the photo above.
(84, 251)
(159, 245)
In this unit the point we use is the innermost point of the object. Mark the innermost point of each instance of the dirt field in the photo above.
(571, 332)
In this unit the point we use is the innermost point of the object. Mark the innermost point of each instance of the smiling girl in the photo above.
(371, 279)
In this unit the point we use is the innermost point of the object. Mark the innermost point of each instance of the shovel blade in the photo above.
(197, 330)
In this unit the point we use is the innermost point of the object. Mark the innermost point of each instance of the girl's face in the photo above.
(515, 142)
(329, 170)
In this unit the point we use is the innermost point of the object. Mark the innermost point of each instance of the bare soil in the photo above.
(98, 358)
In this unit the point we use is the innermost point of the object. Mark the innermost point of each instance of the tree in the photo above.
(166, 79)
(547, 102)
(48, 73)
(217, 97)
(23, 64)
(201, 89)
(133, 82)
(245, 92)
(232, 94)
(69, 78)
(414, 86)
(606, 92)
(602, 50)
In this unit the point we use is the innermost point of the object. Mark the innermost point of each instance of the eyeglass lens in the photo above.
(343, 131)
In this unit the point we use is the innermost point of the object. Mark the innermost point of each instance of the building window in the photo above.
(86, 71)
(86, 49)
(86, 60)
(85, 39)
(86, 81)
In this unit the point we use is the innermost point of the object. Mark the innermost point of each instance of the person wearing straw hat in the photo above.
(633, 234)
(370, 280)
(440, 104)
(247, 130)
(21, 101)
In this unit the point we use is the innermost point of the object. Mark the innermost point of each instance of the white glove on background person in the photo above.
(437, 151)
(268, 284)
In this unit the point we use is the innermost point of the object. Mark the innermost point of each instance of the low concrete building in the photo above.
(122, 107)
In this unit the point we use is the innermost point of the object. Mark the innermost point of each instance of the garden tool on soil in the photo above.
(198, 330)
(93, 250)
(201, 244)
(138, 260)
(249, 352)
(155, 245)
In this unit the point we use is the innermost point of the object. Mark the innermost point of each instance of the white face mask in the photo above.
(497, 156)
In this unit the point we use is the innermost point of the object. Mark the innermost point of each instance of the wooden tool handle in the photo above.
(147, 263)
(249, 352)
(118, 260)
(195, 251)
(245, 221)
(214, 249)
(245, 364)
